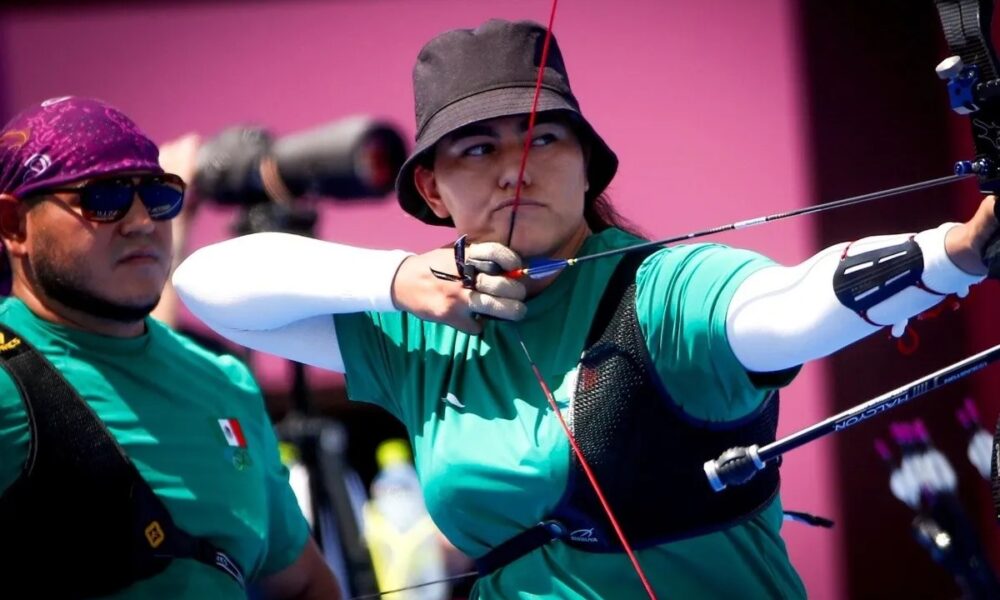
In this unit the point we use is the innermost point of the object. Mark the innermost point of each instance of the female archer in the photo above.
(657, 360)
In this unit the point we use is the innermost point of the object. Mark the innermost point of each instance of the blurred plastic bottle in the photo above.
(401, 537)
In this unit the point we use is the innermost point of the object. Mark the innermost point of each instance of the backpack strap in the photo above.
(79, 501)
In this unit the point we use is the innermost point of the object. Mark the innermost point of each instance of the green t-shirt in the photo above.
(493, 459)
(162, 397)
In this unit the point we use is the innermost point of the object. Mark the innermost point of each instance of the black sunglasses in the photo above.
(109, 200)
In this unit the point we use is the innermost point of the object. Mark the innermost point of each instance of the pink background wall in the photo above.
(701, 100)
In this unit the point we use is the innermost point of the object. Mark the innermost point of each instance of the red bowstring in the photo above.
(531, 123)
(534, 368)
(586, 469)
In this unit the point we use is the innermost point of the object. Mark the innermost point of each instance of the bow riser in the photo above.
(973, 83)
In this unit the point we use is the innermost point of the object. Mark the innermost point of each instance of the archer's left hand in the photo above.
(972, 246)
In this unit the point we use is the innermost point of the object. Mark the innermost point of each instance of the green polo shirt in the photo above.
(162, 397)
(493, 459)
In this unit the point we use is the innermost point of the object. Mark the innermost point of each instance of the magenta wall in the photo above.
(700, 99)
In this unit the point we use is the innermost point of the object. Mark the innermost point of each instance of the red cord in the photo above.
(906, 347)
(534, 368)
(590, 474)
(531, 122)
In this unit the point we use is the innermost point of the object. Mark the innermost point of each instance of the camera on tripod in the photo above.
(356, 158)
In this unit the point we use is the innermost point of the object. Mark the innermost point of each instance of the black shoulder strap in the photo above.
(80, 500)
(625, 422)
(620, 280)
(552, 528)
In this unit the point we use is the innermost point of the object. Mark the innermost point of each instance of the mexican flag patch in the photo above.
(233, 433)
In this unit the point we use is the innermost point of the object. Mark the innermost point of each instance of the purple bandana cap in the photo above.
(67, 139)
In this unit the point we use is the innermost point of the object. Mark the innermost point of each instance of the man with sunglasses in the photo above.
(133, 463)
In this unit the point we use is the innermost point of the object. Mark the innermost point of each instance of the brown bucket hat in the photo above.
(468, 75)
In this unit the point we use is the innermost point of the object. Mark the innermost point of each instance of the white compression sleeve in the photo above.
(275, 292)
(781, 317)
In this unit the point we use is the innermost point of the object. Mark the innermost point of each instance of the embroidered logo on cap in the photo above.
(36, 165)
(15, 139)
(52, 101)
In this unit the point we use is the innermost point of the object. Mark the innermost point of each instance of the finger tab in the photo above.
(501, 286)
(507, 259)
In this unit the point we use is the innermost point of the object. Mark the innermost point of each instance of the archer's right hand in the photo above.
(416, 290)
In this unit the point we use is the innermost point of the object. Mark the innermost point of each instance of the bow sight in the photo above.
(973, 84)
(973, 90)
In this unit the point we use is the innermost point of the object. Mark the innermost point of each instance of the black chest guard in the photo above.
(645, 453)
(80, 521)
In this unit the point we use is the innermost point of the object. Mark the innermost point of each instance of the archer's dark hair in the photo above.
(600, 214)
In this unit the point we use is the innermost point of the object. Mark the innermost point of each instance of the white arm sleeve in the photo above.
(276, 292)
(781, 317)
